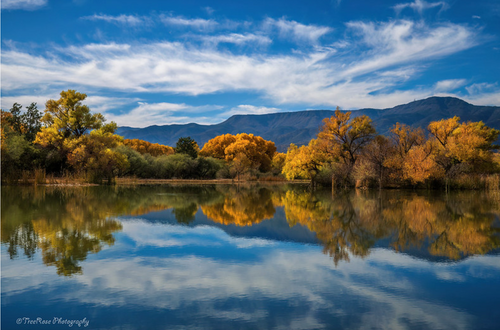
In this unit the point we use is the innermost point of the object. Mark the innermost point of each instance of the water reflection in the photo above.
(242, 206)
(451, 226)
(67, 224)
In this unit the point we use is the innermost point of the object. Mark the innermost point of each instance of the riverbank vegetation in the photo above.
(69, 141)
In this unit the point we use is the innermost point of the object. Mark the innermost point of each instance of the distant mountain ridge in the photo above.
(299, 127)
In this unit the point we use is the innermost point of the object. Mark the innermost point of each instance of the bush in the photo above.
(138, 165)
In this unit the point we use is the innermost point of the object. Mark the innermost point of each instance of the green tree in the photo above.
(15, 119)
(188, 146)
(31, 121)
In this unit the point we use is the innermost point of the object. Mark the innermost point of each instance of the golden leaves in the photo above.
(256, 150)
(145, 147)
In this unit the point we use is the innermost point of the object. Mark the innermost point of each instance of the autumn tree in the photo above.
(419, 164)
(278, 162)
(258, 151)
(69, 116)
(372, 164)
(402, 139)
(462, 147)
(240, 164)
(304, 162)
(216, 147)
(145, 147)
(95, 154)
(345, 138)
(83, 140)
(67, 119)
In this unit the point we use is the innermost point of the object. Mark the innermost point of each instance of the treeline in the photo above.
(69, 140)
(348, 152)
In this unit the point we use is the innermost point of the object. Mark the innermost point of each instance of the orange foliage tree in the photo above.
(145, 147)
(256, 150)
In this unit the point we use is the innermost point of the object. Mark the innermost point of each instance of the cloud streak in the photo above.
(420, 5)
(23, 4)
(297, 31)
(129, 20)
(197, 23)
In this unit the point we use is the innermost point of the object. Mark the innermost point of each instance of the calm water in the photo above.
(227, 257)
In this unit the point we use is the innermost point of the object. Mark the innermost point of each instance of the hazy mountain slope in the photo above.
(300, 126)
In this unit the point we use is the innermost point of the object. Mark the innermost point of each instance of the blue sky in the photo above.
(146, 62)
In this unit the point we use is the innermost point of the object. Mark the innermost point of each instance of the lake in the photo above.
(248, 257)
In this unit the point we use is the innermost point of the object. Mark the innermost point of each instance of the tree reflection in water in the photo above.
(66, 224)
(452, 226)
(241, 206)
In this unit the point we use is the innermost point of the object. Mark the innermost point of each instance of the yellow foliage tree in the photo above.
(463, 147)
(304, 162)
(419, 164)
(93, 153)
(145, 147)
(403, 139)
(345, 138)
(82, 138)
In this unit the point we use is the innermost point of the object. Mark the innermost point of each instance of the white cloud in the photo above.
(209, 10)
(147, 114)
(405, 41)
(96, 103)
(420, 5)
(26, 100)
(130, 20)
(480, 88)
(246, 109)
(380, 56)
(449, 85)
(197, 23)
(23, 4)
(297, 31)
(238, 39)
(482, 94)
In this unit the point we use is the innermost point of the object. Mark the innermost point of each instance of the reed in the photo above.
(39, 176)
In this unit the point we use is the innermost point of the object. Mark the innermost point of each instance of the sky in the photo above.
(145, 63)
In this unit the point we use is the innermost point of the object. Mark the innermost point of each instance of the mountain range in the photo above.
(299, 127)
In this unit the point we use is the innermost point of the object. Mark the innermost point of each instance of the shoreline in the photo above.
(62, 182)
